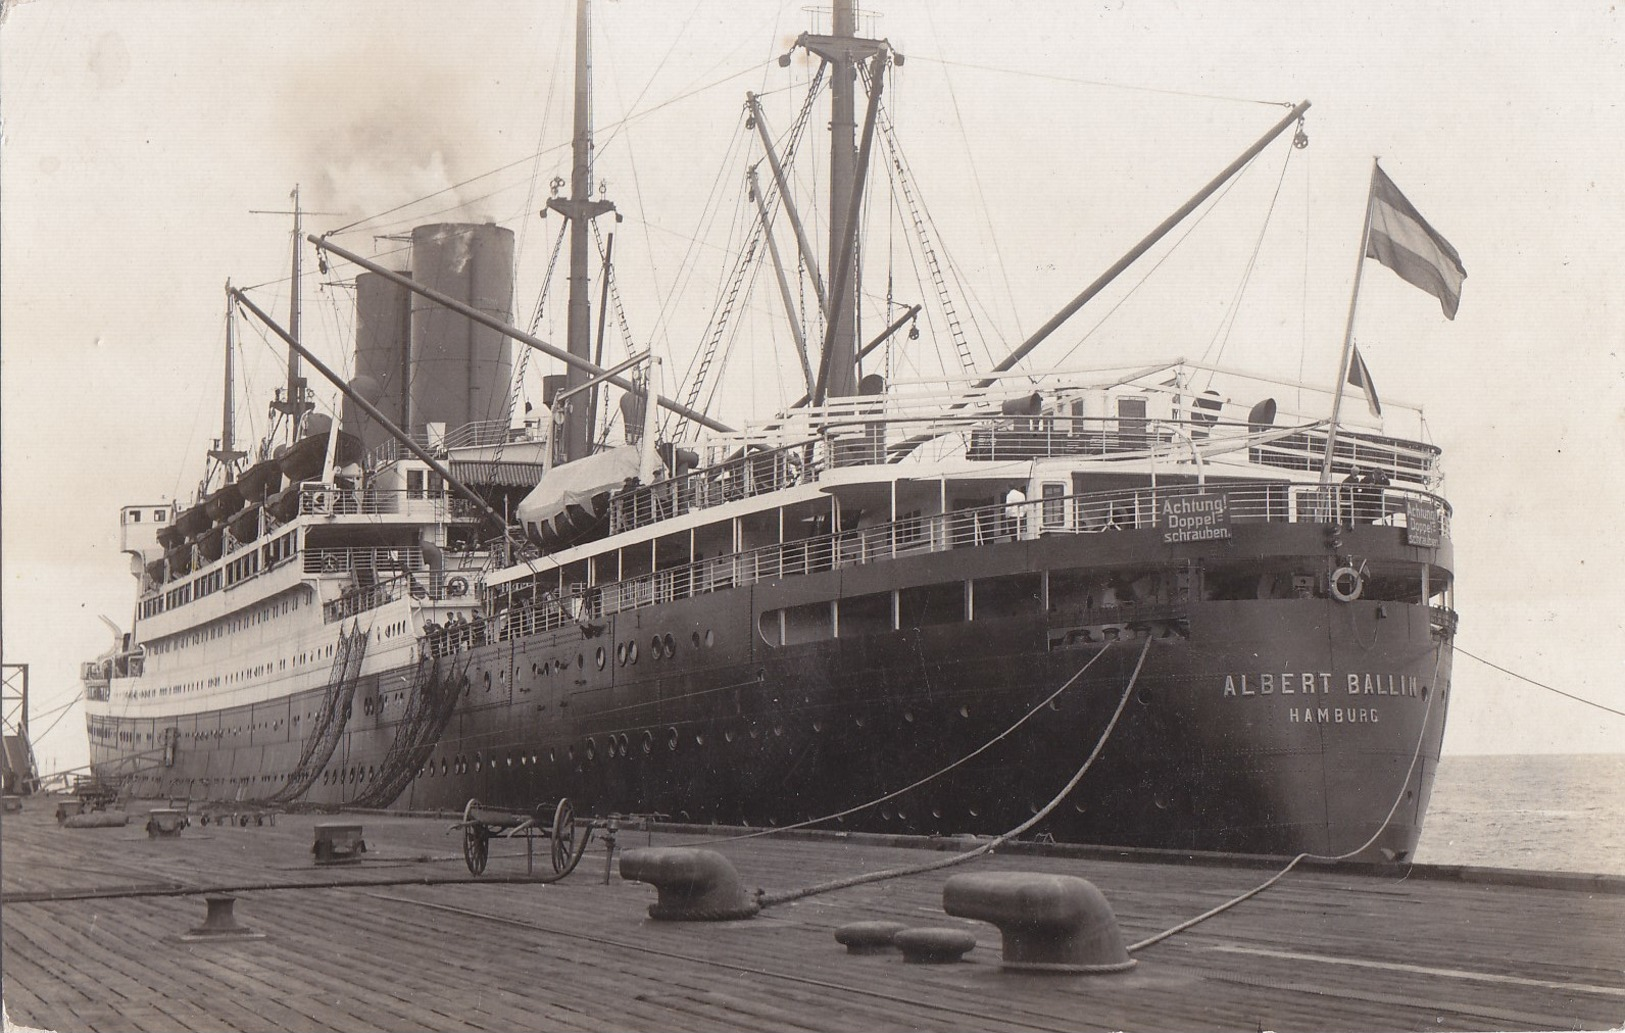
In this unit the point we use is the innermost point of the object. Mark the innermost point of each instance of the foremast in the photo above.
(573, 436)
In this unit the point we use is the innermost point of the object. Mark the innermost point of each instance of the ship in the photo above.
(1143, 604)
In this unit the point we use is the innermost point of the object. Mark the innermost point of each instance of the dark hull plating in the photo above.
(1268, 725)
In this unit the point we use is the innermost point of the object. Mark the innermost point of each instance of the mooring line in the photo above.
(1023, 719)
(770, 900)
(1278, 876)
(1541, 685)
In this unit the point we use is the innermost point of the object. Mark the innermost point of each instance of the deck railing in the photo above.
(379, 561)
(1090, 513)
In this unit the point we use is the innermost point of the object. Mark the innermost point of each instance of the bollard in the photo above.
(868, 937)
(1051, 923)
(934, 946)
(695, 885)
(338, 843)
(221, 922)
(165, 823)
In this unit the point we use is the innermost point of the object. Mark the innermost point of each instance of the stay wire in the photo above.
(770, 900)
(348, 227)
(1102, 83)
(1222, 332)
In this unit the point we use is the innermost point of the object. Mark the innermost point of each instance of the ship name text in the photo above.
(1289, 683)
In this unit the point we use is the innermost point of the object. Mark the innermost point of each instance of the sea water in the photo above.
(1554, 812)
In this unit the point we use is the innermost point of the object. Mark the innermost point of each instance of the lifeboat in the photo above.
(192, 522)
(260, 480)
(303, 462)
(210, 543)
(245, 526)
(223, 503)
(180, 560)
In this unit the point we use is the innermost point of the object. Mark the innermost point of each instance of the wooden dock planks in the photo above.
(372, 948)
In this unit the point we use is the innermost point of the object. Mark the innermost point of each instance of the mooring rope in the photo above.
(1278, 876)
(772, 899)
(877, 801)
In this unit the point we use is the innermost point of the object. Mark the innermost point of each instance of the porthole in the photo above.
(648, 742)
(671, 739)
(964, 712)
(599, 658)
(620, 654)
(592, 750)
(908, 716)
(1144, 696)
(581, 662)
(778, 730)
(710, 639)
(975, 812)
(631, 652)
(818, 726)
(570, 753)
(671, 647)
(858, 721)
(695, 638)
(478, 762)
(728, 736)
(699, 740)
(936, 812)
(655, 649)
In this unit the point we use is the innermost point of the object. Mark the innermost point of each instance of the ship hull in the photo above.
(1267, 725)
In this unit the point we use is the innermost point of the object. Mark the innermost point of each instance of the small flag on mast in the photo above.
(1360, 377)
(1403, 241)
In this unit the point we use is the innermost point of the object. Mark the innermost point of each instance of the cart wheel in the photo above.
(476, 848)
(564, 834)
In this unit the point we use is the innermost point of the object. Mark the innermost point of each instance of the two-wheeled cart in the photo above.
(555, 822)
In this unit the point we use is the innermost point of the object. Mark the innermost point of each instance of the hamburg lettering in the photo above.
(1333, 715)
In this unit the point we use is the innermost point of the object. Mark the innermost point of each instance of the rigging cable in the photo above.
(635, 116)
(1221, 333)
(1194, 223)
(1103, 83)
(981, 195)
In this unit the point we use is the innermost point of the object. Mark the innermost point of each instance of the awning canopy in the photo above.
(500, 474)
(575, 484)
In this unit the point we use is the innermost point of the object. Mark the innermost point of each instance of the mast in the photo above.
(293, 401)
(843, 161)
(1348, 334)
(573, 435)
(225, 450)
(844, 50)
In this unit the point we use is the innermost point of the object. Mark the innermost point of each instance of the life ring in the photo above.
(1346, 584)
(457, 586)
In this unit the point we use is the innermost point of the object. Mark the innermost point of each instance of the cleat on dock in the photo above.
(1051, 923)
(695, 885)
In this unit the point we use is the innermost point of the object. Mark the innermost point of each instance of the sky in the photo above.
(142, 137)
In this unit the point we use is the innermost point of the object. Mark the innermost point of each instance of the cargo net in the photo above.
(436, 687)
(330, 721)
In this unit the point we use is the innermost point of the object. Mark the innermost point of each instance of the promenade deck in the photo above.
(407, 940)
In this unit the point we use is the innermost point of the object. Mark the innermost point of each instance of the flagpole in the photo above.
(1348, 332)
